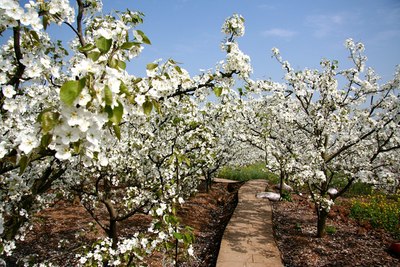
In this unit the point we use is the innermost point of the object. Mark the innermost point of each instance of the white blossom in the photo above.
(140, 99)
(28, 143)
(8, 91)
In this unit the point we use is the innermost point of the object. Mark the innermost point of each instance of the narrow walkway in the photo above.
(248, 239)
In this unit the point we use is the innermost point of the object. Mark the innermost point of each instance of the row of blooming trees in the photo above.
(75, 123)
(327, 125)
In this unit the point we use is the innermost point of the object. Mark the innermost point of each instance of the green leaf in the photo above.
(178, 69)
(108, 95)
(178, 236)
(113, 63)
(109, 111)
(176, 121)
(128, 45)
(34, 35)
(144, 37)
(124, 89)
(180, 158)
(46, 140)
(121, 64)
(151, 66)
(137, 80)
(45, 22)
(103, 44)
(147, 107)
(77, 147)
(335, 64)
(217, 91)
(117, 64)
(23, 163)
(172, 61)
(187, 161)
(117, 131)
(70, 90)
(188, 238)
(117, 113)
(157, 106)
(48, 120)
(87, 48)
(172, 219)
(94, 55)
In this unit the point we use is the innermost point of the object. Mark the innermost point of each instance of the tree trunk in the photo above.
(39, 187)
(281, 180)
(113, 228)
(208, 180)
(113, 232)
(321, 223)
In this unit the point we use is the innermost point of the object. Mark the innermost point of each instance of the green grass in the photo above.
(246, 173)
(356, 189)
(330, 229)
(257, 171)
(360, 189)
(379, 210)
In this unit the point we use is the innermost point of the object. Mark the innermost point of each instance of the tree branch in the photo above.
(18, 56)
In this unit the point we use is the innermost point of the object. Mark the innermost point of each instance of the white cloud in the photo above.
(277, 32)
(266, 7)
(325, 24)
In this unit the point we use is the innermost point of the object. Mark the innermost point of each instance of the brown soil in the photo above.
(294, 229)
(350, 245)
(59, 232)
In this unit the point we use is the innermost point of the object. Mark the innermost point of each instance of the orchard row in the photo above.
(75, 123)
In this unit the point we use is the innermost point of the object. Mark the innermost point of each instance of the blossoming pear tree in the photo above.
(262, 120)
(222, 147)
(151, 172)
(74, 121)
(344, 125)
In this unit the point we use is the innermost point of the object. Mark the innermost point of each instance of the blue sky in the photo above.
(305, 31)
(189, 31)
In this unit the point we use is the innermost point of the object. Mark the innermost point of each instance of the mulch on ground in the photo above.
(208, 213)
(351, 244)
(59, 232)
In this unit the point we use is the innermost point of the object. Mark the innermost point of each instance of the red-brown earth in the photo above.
(208, 213)
(347, 244)
(59, 232)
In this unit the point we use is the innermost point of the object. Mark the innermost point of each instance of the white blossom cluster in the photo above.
(237, 61)
(81, 125)
(324, 203)
(234, 26)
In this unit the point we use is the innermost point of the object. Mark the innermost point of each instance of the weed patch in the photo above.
(379, 211)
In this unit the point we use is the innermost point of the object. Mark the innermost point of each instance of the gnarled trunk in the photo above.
(113, 228)
(321, 221)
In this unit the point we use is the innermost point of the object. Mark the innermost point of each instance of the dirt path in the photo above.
(248, 239)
